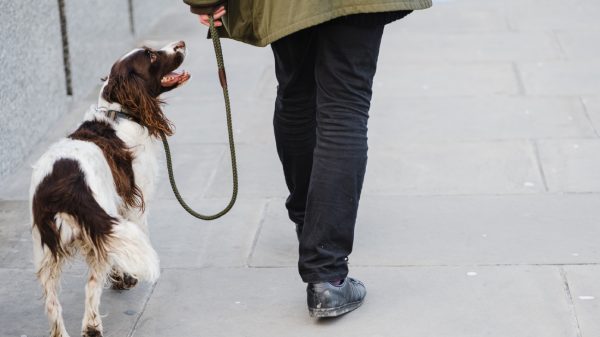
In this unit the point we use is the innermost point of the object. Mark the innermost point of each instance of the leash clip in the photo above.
(112, 114)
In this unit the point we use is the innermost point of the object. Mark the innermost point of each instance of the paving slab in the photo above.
(457, 17)
(22, 312)
(585, 293)
(244, 82)
(183, 241)
(435, 80)
(179, 23)
(276, 242)
(419, 231)
(403, 46)
(203, 121)
(16, 250)
(146, 13)
(571, 165)
(565, 78)
(577, 46)
(453, 168)
(494, 230)
(477, 118)
(16, 184)
(552, 15)
(592, 105)
(260, 173)
(496, 301)
(193, 167)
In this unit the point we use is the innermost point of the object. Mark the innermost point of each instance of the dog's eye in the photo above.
(152, 55)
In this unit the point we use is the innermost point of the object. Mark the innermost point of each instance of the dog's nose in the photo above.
(179, 45)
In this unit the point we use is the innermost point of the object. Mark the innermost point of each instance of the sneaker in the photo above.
(328, 300)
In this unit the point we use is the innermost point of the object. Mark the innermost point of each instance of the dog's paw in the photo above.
(91, 332)
(122, 281)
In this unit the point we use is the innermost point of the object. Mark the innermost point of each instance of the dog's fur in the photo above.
(89, 190)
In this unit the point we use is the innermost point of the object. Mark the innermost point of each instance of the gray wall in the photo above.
(33, 92)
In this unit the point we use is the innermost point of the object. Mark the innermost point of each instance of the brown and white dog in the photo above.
(89, 190)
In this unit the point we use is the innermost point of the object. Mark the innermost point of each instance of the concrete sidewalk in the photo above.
(481, 207)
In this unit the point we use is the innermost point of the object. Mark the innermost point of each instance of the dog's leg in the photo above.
(121, 281)
(92, 323)
(131, 252)
(48, 272)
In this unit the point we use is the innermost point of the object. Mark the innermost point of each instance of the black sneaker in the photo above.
(328, 300)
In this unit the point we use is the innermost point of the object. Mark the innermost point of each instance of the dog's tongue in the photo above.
(173, 78)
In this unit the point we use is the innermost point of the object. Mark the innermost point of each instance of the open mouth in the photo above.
(174, 78)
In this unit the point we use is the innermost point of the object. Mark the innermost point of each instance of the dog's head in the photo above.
(137, 79)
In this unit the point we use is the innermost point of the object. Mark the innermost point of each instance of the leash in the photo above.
(223, 81)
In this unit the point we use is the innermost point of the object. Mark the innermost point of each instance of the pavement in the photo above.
(481, 205)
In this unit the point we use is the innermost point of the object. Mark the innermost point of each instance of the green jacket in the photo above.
(260, 22)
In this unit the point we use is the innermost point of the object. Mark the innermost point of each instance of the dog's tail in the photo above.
(130, 250)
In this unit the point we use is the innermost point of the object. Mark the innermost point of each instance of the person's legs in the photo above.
(294, 119)
(345, 63)
(325, 75)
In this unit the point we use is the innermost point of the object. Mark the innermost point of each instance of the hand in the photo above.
(217, 14)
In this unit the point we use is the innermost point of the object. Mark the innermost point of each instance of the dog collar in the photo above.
(115, 114)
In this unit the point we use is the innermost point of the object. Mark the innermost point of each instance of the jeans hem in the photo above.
(319, 277)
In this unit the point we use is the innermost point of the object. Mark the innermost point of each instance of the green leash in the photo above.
(223, 80)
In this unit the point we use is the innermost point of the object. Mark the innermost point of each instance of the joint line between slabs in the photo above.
(538, 160)
(559, 45)
(137, 320)
(569, 295)
(213, 175)
(261, 222)
(586, 112)
(519, 79)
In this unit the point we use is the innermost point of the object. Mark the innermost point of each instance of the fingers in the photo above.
(219, 12)
(205, 21)
(217, 15)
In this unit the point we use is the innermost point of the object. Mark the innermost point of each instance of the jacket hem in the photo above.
(324, 17)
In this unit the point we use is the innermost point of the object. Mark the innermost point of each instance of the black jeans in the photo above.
(325, 74)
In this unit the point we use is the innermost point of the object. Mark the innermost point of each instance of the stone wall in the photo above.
(33, 88)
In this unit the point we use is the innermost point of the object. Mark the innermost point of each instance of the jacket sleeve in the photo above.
(207, 7)
(204, 6)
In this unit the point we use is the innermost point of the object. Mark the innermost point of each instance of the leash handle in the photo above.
(223, 81)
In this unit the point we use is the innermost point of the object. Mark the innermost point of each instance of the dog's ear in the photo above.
(130, 92)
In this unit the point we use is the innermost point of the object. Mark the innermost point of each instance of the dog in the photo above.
(89, 190)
